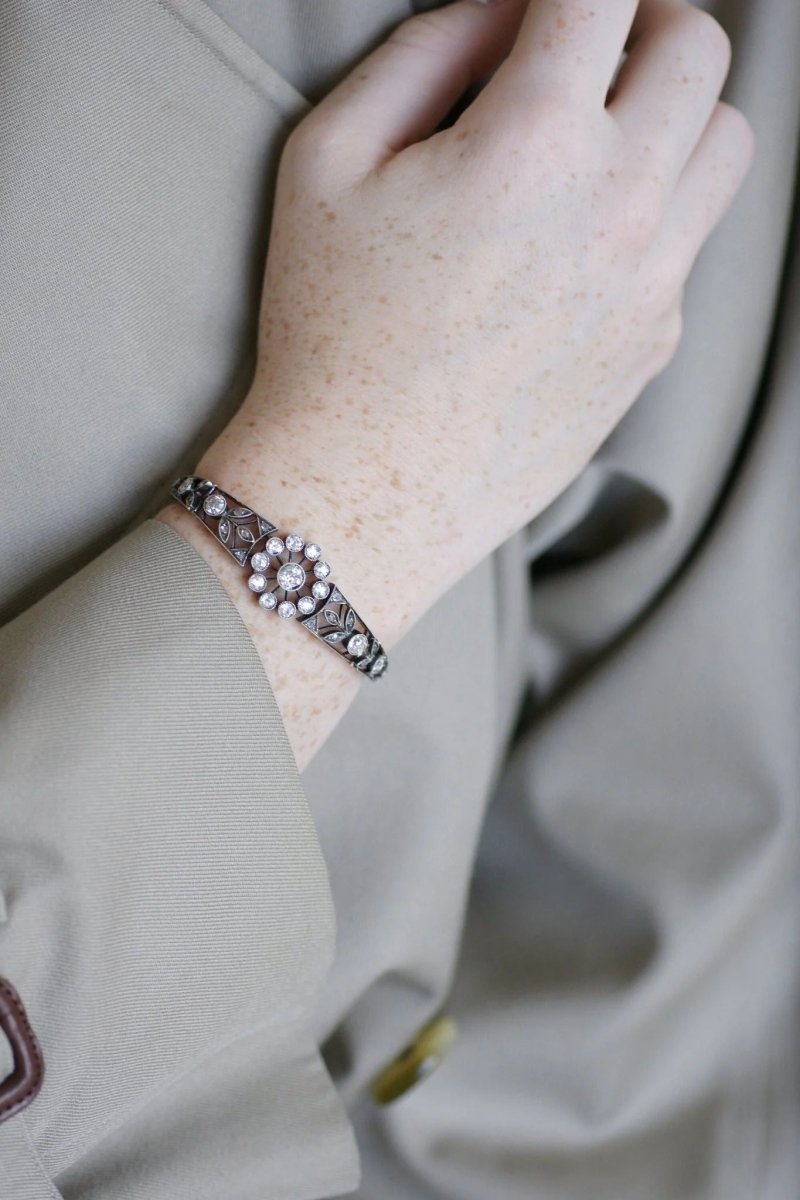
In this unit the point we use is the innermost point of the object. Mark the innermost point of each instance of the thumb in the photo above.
(400, 92)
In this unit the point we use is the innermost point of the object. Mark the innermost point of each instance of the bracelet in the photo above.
(284, 563)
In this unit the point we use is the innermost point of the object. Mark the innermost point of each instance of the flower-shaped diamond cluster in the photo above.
(289, 576)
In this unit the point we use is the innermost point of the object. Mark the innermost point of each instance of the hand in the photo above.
(468, 315)
(453, 321)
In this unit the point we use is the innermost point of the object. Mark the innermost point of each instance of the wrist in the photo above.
(279, 460)
(284, 467)
(312, 689)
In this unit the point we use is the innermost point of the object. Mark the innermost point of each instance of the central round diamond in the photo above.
(291, 576)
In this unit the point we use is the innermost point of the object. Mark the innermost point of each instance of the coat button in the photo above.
(415, 1061)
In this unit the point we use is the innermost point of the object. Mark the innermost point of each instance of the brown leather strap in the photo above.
(23, 1084)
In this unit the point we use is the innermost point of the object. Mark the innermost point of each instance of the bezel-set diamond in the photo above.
(214, 505)
(288, 576)
(357, 644)
(291, 577)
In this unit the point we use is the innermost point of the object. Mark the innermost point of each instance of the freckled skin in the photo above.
(449, 332)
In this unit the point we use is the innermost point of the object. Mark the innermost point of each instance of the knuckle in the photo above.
(668, 339)
(673, 332)
(552, 134)
(555, 120)
(672, 274)
(707, 33)
(638, 211)
(737, 132)
(665, 280)
(313, 141)
(418, 32)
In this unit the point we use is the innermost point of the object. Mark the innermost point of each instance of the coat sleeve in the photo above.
(167, 917)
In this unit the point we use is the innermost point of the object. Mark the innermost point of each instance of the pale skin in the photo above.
(452, 322)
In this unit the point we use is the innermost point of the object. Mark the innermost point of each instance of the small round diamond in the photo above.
(214, 505)
(322, 570)
(257, 582)
(259, 561)
(294, 542)
(320, 590)
(313, 551)
(291, 576)
(306, 604)
(357, 644)
(275, 545)
(286, 609)
(267, 600)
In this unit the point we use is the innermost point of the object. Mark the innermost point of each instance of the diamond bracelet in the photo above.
(287, 575)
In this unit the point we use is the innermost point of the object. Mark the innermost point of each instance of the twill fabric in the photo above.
(568, 815)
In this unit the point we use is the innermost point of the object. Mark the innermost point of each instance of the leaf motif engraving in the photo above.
(223, 529)
(239, 511)
(335, 637)
(350, 620)
(331, 616)
(246, 534)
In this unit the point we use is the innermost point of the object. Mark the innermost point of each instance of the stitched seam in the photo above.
(212, 52)
(53, 1191)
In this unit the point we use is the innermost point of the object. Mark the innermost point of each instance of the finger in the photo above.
(571, 47)
(707, 186)
(401, 91)
(669, 83)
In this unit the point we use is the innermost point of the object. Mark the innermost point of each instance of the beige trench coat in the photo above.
(568, 815)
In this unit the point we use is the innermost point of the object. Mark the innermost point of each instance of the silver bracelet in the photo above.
(287, 575)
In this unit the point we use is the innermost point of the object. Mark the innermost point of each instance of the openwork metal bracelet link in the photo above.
(287, 575)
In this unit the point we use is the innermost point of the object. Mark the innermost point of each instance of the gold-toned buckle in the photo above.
(415, 1061)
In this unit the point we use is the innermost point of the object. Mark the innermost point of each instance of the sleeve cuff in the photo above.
(165, 885)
